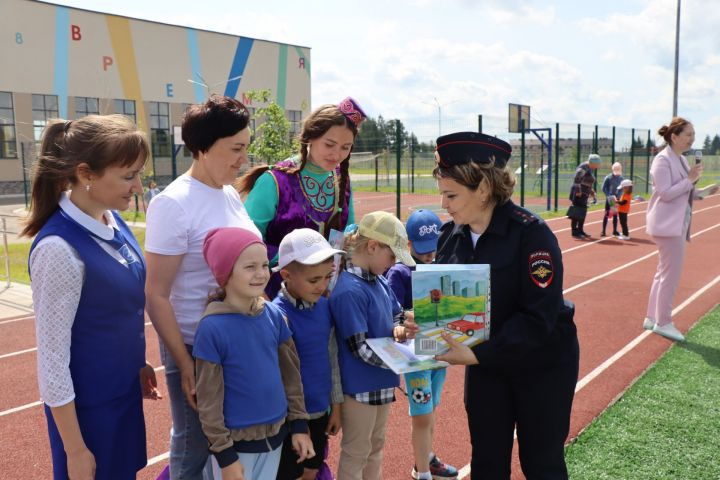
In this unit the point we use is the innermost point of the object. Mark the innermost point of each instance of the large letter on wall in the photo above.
(75, 32)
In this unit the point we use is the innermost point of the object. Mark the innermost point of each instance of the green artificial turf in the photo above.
(667, 425)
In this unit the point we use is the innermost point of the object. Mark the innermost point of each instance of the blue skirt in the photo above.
(115, 434)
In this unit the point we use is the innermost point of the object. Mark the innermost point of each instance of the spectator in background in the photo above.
(152, 192)
(582, 189)
(610, 187)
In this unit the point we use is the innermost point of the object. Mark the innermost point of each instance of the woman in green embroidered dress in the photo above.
(312, 193)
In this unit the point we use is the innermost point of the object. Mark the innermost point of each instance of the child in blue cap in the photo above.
(424, 388)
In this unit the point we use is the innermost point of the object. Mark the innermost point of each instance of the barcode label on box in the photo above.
(428, 344)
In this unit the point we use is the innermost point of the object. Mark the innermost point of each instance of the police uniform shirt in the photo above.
(529, 325)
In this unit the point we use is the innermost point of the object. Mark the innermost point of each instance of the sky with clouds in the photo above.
(604, 62)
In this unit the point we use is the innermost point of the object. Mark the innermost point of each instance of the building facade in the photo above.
(61, 62)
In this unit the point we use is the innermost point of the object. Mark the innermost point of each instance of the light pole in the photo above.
(439, 107)
(677, 59)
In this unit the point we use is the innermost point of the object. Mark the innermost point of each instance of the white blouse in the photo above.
(57, 281)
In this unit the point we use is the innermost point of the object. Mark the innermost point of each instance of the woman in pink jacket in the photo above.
(668, 221)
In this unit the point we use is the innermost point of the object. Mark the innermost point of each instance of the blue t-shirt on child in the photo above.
(247, 349)
(361, 306)
(311, 332)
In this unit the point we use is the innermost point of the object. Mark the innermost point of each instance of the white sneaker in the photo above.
(648, 323)
(669, 331)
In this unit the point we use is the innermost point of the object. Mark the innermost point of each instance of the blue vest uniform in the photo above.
(311, 332)
(106, 355)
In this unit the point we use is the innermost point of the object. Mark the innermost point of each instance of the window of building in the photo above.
(126, 107)
(295, 118)
(85, 106)
(185, 151)
(160, 129)
(8, 145)
(44, 107)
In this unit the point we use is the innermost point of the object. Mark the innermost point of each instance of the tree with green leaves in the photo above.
(369, 138)
(272, 142)
(707, 144)
(715, 145)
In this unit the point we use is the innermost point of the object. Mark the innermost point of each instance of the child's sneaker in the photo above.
(442, 471)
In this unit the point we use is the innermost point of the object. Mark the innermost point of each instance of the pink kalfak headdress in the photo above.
(352, 111)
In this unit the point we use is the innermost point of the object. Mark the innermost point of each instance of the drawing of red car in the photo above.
(468, 324)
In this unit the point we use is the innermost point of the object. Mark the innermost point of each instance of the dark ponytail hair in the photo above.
(677, 125)
(99, 141)
(315, 126)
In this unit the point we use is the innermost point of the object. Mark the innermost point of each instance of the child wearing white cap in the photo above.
(363, 306)
(305, 263)
(624, 200)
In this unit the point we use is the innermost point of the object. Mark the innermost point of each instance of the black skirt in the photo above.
(577, 213)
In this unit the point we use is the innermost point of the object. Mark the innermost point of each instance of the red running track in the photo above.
(608, 280)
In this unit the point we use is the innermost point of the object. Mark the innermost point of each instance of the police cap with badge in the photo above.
(465, 147)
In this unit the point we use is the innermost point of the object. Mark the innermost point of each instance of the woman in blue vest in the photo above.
(88, 278)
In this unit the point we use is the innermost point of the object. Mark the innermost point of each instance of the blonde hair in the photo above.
(471, 174)
(354, 243)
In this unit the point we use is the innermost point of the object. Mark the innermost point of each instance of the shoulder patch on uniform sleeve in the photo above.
(540, 268)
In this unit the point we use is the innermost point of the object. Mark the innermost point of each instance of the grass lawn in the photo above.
(666, 425)
(19, 257)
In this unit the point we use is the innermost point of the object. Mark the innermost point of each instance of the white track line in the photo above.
(158, 458)
(39, 402)
(465, 471)
(28, 317)
(603, 239)
(20, 408)
(607, 363)
(19, 352)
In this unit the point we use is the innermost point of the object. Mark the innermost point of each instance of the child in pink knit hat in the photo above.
(249, 392)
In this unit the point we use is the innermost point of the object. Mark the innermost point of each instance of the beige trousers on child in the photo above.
(363, 438)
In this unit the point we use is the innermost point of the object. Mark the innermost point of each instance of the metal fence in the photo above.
(397, 162)
(543, 160)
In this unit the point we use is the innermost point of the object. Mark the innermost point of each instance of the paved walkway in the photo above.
(15, 301)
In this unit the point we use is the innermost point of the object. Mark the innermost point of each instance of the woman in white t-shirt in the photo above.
(178, 279)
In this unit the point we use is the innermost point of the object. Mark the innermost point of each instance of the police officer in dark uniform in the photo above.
(524, 376)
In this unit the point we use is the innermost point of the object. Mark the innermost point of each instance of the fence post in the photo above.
(579, 146)
(24, 173)
(398, 155)
(412, 165)
(647, 164)
(376, 172)
(632, 156)
(596, 140)
(557, 162)
(612, 157)
(479, 123)
(522, 162)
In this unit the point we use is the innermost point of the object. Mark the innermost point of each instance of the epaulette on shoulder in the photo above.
(524, 216)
